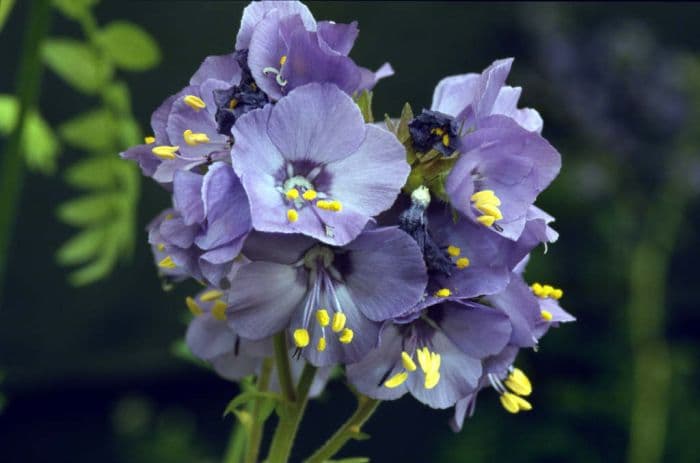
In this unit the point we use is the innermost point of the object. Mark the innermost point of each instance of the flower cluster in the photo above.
(393, 249)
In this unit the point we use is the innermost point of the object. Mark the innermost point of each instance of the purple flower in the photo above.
(209, 223)
(310, 165)
(328, 299)
(436, 357)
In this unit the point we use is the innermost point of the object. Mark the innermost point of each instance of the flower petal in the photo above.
(256, 11)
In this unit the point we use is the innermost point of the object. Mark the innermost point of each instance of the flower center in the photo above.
(429, 362)
(277, 72)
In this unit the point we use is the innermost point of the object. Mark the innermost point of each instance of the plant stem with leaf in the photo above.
(258, 423)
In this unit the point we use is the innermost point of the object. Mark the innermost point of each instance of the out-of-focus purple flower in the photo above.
(309, 165)
(436, 357)
(328, 299)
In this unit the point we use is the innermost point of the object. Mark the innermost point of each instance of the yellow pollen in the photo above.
(218, 311)
(346, 336)
(292, 215)
(424, 359)
(536, 288)
(193, 306)
(397, 380)
(547, 315)
(557, 293)
(446, 140)
(283, 60)
(301, 337)
(444, 292)
(454, 251)
(523, 404)
(462, 263)
(309, 195)
(321, 346)
(485, 197)
(336, 206)
(491, 210)
(432, 379)
(322, 317)
(323, 204)
(168, 217)
(167, 262)
(487, 220)
(149, 140)
(518, 382)
(339, 320)
(210, 295)
(545, 291)
(509, 402)
(233, 103)
(292, 194)
(160, 247)
(437, 131)
(194, 102)
(194, 139)
(408, 362)
(165, 151)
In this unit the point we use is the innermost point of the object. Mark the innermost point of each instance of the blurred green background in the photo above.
(89, 373)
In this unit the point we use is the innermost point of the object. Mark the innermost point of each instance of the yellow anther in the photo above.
(424, 359)
(301, 337)
(210, 295)
(523, 404)
(446, 140)
(160, 247)
(487, 220)
(218, 311)
(454, 251)
(518, 382)
(546, 315)
(149, 140)
(462, 263)
(169, 217)
(444, 292)
(233, 103)
(194, 139)
(557, 293)
(165, 151)
(408, 362)
(322, 317)
(283, 60)
(346, 336)
(431, 379)
(493, 211)
(509, 402)
(435, 361)
(484, 196)
(167, 262)
(547, 290)
(321, 346)
(193, 306)
(309, 195)
(397, 380)
(292, 215)
(336, 206)
(194, 102)
(339, 320)
(292, 194)
(536, 288)
(437, 131)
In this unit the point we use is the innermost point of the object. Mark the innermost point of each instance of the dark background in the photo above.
(89, 372)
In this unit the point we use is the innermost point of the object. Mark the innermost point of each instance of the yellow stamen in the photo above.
(446, 140)
(557, 293)
(193, 306)
(487, 220)
(536, 288)
(168, 217)
(336, 206)
(292, 215)
(547, 290)
(509, 402)
(165, 151)
(431, 379)
(210, 295)
(462, 263)
(396, 380)
(437, 131)
(283, 60)
(218, 311)
(444, 292)
(321, 346)
(167, 262)
(160, 247)
(493, 211)
(547, 315)
(339, 320)
(292, 194)
(309, 195)
(518, 382)
(454, 251)
(523, 404)
(194, 102)
(149, 140)
(484, 196)
(408, 362)
(346, 336)
(194, 139)
(233, 103)
(301, 337)
(424, 359)
(322, 317)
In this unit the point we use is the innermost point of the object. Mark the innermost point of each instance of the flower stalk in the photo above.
(256, 427)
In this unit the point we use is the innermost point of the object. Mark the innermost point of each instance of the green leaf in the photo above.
(402, 129)
(76, 63)
(244, 398)
(5, 9)
(90, 210)
(98, 268)
(117, 98)
(9, 110)
(90, 131)
(364, 102)
(129, 132)
(82, 247)
(39, 144)
(129, 46)
(74, 9)
(93, 173)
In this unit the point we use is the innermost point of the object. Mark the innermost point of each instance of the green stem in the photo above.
(284, 372)
(256, 427)
(349, 430)
(12, 167)
(236, 444)
(290, 418)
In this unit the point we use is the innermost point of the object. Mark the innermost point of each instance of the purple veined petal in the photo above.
(208, 337)
(369, 374)
(267, 47)
(165, 172)
(489, 85)
(318, 123)
(355, 180)
(175, 231)
(277, 247)
(256, 11)
(187, 196)
(159, 120)
(507, 104)
(559, 315)
(143, 155)
(453, 94)
(536, 232)
(459, 375)
(263, 297)
(217, 263)
(254, 151)
(461, 408)
(387, 274)
(369, 79)
(522, 308)
(235, 367)
(477, 330)
(337, 38)
(219, 67)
